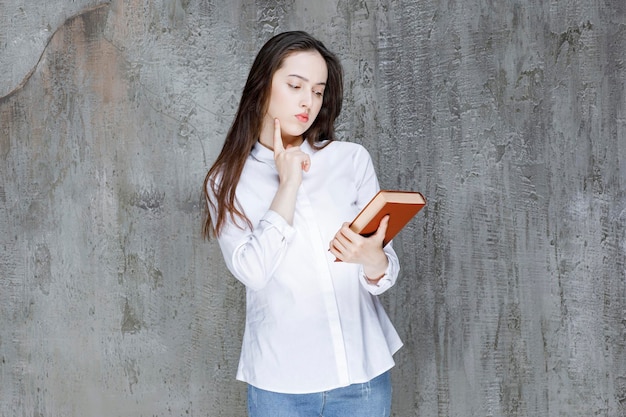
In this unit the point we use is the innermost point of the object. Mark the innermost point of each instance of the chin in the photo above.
(294, 132)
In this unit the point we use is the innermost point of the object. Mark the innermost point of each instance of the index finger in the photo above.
(346, 232)
(278, 139)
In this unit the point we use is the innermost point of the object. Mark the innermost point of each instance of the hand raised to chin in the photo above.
(290, 161)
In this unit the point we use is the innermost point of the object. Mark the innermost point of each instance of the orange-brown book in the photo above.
(401, 206)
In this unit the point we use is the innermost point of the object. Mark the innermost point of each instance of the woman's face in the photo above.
(296, 96)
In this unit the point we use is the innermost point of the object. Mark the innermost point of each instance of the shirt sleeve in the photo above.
(390, 277)
(367, 186)
(255, 258)
(252, 255)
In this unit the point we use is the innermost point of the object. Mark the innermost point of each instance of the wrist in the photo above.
(290, 185)
(375, 272)
(374, 281)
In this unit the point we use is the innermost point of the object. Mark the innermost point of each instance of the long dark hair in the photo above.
(243, 133)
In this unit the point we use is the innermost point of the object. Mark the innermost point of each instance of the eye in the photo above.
(293, 85)
(319, 93)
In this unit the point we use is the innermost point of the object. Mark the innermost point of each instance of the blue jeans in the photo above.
(370, 399)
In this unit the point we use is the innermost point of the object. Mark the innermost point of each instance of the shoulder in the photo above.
(348, 150)
(347, 146)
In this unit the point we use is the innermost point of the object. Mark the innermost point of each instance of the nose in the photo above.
(306, 99)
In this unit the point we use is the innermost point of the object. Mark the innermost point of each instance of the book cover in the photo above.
(401, 206)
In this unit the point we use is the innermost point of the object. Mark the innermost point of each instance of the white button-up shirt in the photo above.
(312, 324)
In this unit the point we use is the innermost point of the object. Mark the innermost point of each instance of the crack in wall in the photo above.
(30, 73)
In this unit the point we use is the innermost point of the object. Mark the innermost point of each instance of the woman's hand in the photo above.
(290, 162)
(348, 246)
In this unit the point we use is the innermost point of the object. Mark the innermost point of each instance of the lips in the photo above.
(303, 117)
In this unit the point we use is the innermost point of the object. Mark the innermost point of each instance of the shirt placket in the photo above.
(328, 290)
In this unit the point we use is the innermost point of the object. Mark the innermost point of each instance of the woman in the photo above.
(317, 341)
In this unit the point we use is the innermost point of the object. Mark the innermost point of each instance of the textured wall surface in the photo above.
(509, 116)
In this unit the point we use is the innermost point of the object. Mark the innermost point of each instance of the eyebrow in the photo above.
(303, 78)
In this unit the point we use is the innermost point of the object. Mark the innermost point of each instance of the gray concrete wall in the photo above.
(509, 116)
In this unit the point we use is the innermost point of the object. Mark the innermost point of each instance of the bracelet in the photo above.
(374, 280)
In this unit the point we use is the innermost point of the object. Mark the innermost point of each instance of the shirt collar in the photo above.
(263, 154)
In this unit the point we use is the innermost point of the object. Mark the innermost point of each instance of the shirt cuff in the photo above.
(380, 286)
(280, 224)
